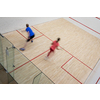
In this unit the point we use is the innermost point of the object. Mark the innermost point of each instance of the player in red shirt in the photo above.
(54, 46)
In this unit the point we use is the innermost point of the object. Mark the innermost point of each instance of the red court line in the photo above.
(28, 61)
(84, 25)
(77, 58)
(31, 59)
(64, 49)
(38, 37)
(97, 18)
(72, 76)
(38, 30)
(48, 50)
(20, 66)
(41, 33)
(21, 34)
(68, 72)
(67, 62)
(26, 38)
(83, 63)
(97, 80)
(39, 55)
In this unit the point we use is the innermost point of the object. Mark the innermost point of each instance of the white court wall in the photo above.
(8, 24)
(91, 22)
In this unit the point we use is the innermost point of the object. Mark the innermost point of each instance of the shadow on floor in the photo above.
(6, 78)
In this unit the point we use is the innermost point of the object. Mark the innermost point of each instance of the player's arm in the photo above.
(57, 48)
(28, 34)
(23, 30)
(52, 43)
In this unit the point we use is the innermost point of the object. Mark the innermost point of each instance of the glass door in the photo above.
(10, 63)
(1, 53)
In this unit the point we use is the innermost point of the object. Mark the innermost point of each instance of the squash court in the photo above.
(71, 65)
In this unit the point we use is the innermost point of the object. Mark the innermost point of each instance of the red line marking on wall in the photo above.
(68, 72)
(84, 25)
(21, 34)
(97, 18)
(97, 80)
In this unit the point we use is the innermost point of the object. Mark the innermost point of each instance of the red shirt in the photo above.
(54, 45)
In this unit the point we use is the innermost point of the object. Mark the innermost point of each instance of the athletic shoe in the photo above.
(22, 49)
(31, 40)
(46, 58)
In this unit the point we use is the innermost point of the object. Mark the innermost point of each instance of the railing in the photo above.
(19, 66)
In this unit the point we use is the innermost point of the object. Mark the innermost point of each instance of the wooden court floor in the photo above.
(72, 64)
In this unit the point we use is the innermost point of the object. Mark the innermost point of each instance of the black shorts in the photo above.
(30, 38)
